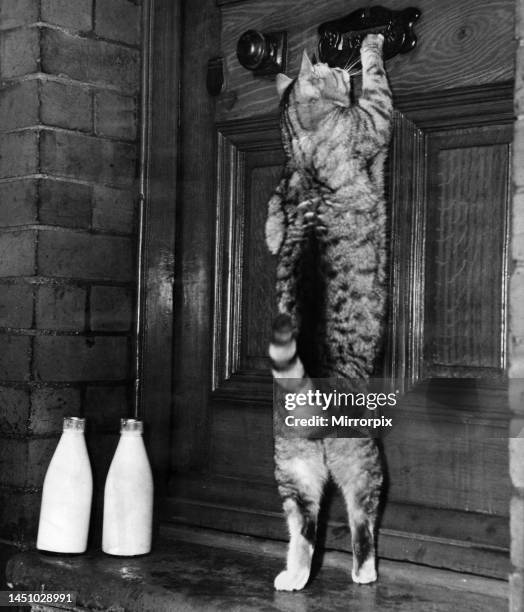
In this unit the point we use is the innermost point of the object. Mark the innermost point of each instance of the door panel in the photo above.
(466, 238)
(448, 173)
(250, 160)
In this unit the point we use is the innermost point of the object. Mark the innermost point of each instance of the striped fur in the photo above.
(327, 226)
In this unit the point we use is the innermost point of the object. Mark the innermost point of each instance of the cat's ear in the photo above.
(282, 82)
(306, 67)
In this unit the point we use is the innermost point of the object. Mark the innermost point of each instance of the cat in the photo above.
(327, 225)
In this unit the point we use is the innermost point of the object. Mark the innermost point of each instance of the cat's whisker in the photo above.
(348, 66)
(353, 73)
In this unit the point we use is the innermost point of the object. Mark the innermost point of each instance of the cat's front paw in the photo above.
(373, 42)
(292, 580)
(366, 574)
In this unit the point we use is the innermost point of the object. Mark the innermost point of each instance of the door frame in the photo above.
(161, 62)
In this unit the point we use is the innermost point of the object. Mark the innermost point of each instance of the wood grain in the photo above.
(160, 210)
(459, 44)
(195, 217)
(437, 459)
(238, 513)
(466, 242)
(406, 214)
(259, 278)
(246, 429)
(432, 522)
(468, 259)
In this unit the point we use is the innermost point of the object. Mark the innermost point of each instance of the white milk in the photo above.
(67, 493)
(128, 496)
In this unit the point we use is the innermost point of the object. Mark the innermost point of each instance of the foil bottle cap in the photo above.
(74, 424)
(131, 425)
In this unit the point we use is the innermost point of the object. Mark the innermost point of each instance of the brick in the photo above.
(19, 511)
(61, 307)
(19, 52)
(23, 463)
(516, 592)
(65, 204)
(118, 20)
(66, 105)
(50, 405)
(74, 14)
(41, 452)
(516, 453)
(114, 209)
(14, 413)
(16, 13)
(15, 355)
(90, 60)
(19, 153)
(18, 202)
(74, 155)
(75, 255)
(115, 115)
(13, 462)
(105, 406)
(111, 308)
(102, 448)
(19, 105)
(75, 358)
(16, 305)
(17, 253)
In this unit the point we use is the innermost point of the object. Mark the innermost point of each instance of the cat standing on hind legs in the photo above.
(326, 224)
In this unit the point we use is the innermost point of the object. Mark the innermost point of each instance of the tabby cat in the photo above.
(326, 224)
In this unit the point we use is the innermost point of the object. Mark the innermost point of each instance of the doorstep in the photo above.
(202, 570)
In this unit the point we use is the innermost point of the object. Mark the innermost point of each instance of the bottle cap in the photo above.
(131, 425)
(74, 424)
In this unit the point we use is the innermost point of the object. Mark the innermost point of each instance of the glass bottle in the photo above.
(128, 495)
(67, 493)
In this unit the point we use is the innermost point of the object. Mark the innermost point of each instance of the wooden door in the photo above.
(446, 340)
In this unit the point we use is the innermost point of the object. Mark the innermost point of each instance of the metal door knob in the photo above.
(264, 54)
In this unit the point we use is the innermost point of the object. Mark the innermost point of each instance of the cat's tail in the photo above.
(288, 370)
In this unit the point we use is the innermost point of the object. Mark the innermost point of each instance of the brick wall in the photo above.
(69, 81)
(516, 300)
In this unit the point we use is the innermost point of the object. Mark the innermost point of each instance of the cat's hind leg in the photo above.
(357, 469)
(301, 474)
(364, 569)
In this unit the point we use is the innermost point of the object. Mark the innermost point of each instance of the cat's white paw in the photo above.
(366, 574)
(291, 580)
(373, 42)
